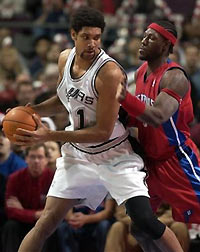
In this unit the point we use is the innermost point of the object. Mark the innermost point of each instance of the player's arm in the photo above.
(53, 105)
(174, 86)
(106, 114)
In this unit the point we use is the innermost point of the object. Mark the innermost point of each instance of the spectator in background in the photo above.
(4, 32)
(63, 40)
(61, 120)
(192, 68)
(1, 118)
(48, 122)
(25, 92)
(33, 8)
(3, 217)
(7, 91)
(52, 12)
(25, 201)
(73, 5)
(9, 161)
(53, 53)
(10, 62)
(12, 9)
(191, 65)
(49, 80)
(87, 229)
(119, 238)
(53, 149)
(50, 77)
(37, 65)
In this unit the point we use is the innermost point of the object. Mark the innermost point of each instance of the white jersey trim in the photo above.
(96, 149)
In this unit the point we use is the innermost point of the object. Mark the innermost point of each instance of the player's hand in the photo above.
(27, 105)
(28, 138)
(121, 92)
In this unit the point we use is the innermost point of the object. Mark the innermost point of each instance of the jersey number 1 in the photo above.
(80, 114)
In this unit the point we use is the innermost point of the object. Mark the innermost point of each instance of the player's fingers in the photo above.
(37, 119)
(24, 132)
(28, 104)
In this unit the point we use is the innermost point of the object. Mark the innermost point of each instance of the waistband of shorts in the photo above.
(99, 148)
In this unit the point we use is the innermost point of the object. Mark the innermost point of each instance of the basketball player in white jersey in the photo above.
(97, 156)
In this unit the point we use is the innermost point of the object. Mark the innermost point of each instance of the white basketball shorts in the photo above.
(89, 177)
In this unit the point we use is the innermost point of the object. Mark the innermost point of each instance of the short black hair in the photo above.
(87, 16)
(170, 27)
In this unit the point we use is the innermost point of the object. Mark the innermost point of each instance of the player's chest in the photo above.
(148, 88)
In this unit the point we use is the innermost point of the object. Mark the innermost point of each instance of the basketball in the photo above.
(18, 117)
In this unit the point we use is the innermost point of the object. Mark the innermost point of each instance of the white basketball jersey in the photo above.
(80, 96)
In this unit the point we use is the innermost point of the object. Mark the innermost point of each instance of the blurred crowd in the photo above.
(32, 35)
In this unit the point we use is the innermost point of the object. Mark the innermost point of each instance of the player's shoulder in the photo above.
(63, 59)
(176, 80)
(175, 74)
(64, 55)
(112, 69)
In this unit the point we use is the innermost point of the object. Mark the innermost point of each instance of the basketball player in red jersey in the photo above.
(162, 111)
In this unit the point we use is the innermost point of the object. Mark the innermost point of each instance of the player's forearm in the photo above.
(87, 135)
(151, 115)
(49, 107)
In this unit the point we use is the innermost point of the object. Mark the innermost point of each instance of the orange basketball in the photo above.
(18, 117)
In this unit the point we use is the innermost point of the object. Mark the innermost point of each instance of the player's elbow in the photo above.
(154, 117)
(104, 135)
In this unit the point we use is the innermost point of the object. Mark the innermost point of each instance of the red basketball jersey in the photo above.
(160, 143)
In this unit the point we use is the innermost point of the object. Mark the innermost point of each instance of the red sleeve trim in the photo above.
(173, 94)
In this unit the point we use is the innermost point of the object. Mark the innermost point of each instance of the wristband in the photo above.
(133, 105)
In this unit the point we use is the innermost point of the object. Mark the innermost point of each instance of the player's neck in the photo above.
(80, 65)
(156, 63)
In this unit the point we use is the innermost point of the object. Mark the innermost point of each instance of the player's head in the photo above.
(86, 17)
(87, 25)
(158, 40)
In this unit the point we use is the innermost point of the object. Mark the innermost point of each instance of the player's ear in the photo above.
(167, 45)
(73, 34)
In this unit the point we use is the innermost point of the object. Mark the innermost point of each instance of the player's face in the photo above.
(87, 42)
(151, 45)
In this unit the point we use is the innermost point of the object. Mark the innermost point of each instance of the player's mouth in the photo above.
(91, 52)
(141, 49)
